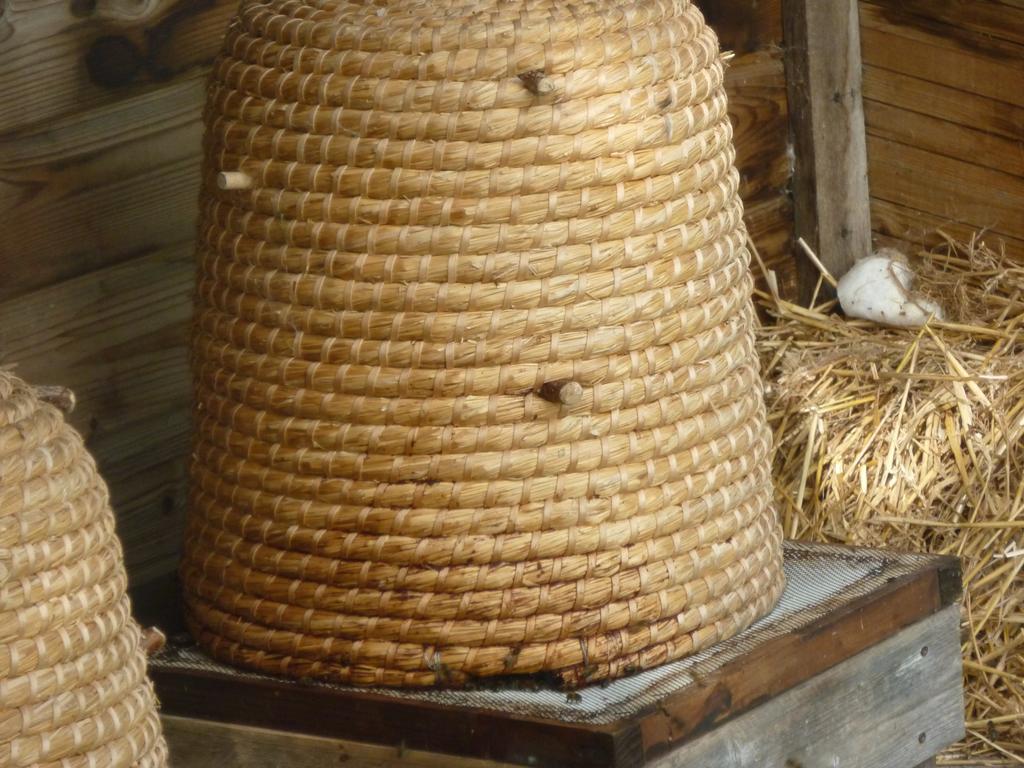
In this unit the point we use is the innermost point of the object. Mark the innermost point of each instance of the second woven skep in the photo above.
(73, 686)
(434, 212)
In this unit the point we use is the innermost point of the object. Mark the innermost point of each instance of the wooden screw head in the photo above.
(233, 180)
(562, 391)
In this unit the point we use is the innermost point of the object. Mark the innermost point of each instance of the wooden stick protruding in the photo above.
(61, 398)
(537, 82)
(562, 391)
(153, 640)
(233, 180)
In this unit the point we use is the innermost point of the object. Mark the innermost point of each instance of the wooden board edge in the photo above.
(826, 112)
(894, 705)
(819, 646)
(195, 743)
(629, 743)
(850, 710)
(372, 718)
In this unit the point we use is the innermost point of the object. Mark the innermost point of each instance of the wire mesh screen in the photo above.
(820, 579)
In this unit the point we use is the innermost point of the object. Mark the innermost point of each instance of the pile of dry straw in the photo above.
(913, 439)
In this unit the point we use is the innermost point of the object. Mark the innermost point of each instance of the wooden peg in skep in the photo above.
(233, 180)
(537, 82)
(62, 398)
(562, 391)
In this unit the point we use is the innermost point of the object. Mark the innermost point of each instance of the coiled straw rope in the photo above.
(475, 385)
(73, 686)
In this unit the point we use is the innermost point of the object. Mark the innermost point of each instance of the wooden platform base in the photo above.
(859, 667)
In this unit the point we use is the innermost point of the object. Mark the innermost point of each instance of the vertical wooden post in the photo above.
(830, 183)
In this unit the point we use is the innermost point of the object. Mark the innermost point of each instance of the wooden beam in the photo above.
(211, 744)
(769, 670)
(830, 183)
(726, 689)
(894, 706)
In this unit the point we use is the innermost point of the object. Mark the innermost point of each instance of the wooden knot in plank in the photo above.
(113, 61)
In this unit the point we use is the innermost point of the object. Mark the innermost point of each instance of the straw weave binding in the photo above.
(433, 218)
(73, 686)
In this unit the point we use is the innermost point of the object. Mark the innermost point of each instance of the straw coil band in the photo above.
(476, 392)
(73, 686)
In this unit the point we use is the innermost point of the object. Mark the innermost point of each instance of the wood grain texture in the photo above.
(947, 103)
(768, 671)
(955, 190)
(116, 338)
(910, 229)
(756, 84)
(830, 183)
(940, 54)
(59, 58)
(100, 187)
(942, 137)
(945, 120)
(893, 706)
(989, 27)
(990, 18)
(208, 744)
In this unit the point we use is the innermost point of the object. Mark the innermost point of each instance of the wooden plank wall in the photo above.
(99, 151)
(756, 82)
(944, 107)
(99, 172)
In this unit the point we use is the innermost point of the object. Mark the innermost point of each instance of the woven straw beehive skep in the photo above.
(73, 686)
(475, 381)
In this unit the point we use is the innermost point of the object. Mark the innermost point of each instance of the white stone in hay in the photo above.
(881, 288)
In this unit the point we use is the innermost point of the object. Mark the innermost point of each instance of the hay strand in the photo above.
(912, 439)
